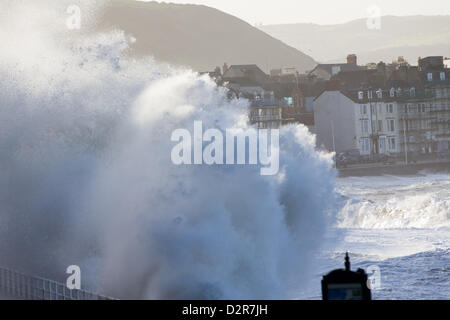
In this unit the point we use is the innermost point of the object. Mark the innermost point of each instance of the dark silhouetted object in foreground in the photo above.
(345, 284)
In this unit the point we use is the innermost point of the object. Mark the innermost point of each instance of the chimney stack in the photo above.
(352, 59)
(225, 68)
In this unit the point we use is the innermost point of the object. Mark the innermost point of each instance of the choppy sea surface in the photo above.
(400, 224)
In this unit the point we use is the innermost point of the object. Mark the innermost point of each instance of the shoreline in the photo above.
(394, 169)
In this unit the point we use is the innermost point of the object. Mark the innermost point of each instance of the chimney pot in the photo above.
(352, 59)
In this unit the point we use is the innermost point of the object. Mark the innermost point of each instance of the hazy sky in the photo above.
(320, 11)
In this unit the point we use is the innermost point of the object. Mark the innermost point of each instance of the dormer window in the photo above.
(442, 76)
(399, 92)
(369, 94)
(392, 92)
(380, 94)
(430, 76)
(335, 70)
(412, 92)
(360, 95)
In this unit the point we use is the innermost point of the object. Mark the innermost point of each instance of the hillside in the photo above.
(411, 37)
(198, 36)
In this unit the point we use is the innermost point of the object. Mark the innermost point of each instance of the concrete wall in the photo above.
(333, 109)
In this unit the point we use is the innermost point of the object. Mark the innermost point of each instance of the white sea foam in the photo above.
(399, 202)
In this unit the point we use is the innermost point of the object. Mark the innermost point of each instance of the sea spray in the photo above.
(86, 176)
(390, 202)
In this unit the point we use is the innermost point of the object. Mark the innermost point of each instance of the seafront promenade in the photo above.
(397, 168)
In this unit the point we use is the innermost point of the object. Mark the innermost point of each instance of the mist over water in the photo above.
(86, 176)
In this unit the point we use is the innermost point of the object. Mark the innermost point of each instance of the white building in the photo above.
(366, 121)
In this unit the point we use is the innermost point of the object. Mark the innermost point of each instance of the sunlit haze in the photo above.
(320, 11)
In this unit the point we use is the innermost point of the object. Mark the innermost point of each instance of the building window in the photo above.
(363, 109)
(380, 125)
(412, 108)
(442, 76)
(391, 125)
(360, 95)
(423, 125)
(335, 70)
(392, 92)
(438, 93)
(365, 145)
(380, 94)
(289, 101)
(392, 144)
(365, 126)
(430, 76)
(390, 108)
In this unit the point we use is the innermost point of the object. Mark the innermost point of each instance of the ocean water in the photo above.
(401, 224)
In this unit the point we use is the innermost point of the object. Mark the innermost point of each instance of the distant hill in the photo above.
(198, 36)
(411, 37)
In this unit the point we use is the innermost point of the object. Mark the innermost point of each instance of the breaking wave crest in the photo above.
(397, 203)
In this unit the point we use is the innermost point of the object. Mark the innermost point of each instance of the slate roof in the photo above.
(328, 67)
(250, 73)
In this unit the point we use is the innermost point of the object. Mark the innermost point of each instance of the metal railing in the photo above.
(266, 118)
(16, 285)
